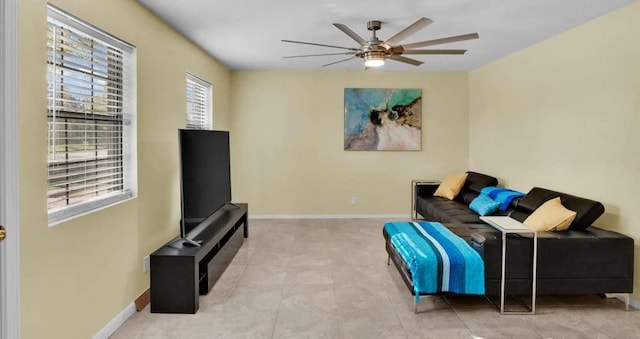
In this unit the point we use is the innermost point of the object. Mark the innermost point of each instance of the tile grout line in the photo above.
(284, 285)
(531, 327)
(275, 321)
(335, 297)
(395, 309)
(237, 279)
(227, 295)
(459, 317)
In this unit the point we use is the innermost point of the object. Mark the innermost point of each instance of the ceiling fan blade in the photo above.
(435, 51)
(441, 41)
(315, 55)
(333, 63)
(413, 28)
(351, 33)
(406, 60)
(321, 45)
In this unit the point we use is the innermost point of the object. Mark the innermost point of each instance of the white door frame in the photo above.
(9, 211)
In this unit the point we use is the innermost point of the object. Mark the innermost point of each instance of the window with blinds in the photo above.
(91, 117)
(198, 103)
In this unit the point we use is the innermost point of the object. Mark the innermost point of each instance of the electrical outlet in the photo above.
(354, 200)
(146, 264)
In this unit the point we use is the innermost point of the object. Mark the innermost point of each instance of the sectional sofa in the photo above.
(581, 260)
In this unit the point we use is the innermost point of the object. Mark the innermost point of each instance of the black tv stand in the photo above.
(180, 272)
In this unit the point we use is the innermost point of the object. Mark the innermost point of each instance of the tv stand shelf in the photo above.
(180, 273)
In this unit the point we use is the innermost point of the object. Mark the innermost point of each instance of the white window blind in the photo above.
(91, 117)
(198, 103)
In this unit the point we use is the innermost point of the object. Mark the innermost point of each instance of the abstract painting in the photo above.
(382, 119)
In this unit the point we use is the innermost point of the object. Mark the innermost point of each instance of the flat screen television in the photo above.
(205, 177)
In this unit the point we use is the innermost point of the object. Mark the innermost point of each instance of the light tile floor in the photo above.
(329, 279)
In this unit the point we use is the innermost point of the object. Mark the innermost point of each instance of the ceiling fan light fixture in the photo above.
(373, 59)
(375, 52)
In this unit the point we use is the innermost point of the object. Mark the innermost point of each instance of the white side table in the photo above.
(507, 225)
(414, 184)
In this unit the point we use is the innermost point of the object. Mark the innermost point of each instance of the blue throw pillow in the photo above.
(484, 205)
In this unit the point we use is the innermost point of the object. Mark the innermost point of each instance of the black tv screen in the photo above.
(205, 175)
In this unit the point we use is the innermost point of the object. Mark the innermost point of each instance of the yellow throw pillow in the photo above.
(550, 216)
(451, 186)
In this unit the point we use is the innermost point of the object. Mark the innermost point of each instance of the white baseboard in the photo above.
(331, 216)
(116, 322)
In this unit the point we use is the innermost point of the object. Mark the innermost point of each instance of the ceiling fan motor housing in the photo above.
(374, 25)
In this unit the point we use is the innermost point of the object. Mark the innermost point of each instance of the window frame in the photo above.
(208, 90)
(128, 141)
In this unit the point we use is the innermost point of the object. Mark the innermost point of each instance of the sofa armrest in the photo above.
(477, 243)
(587, 210)
(421, 188)
(425, 188)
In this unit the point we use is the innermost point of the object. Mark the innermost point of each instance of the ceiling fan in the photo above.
(375, 52)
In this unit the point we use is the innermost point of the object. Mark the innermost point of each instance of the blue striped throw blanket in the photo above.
(439, 260)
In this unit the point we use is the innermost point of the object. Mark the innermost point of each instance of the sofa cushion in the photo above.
(434, 208)
(451, 185)
(587, 211)
(484, 205)
(550, 216)
(473, 185)
(477, 181)
(444, 210)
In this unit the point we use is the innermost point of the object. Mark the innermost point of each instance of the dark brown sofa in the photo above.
(581, 260)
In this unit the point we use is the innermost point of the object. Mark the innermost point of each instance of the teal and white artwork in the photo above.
(382, 119)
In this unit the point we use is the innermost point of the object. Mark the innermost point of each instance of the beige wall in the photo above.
(79, 275)
(565, 115)
(288, 140)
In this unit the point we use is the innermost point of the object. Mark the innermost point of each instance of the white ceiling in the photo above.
(246, 34)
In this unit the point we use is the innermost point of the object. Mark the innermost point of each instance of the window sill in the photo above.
(63, 219)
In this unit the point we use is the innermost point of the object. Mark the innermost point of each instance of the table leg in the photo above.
(504, 267)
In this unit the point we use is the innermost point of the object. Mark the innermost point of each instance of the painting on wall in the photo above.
(382, 119)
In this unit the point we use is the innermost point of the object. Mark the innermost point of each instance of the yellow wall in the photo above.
(287, 141)
(565, 115)
(77, 276)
